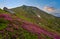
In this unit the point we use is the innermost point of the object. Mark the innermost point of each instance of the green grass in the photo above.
(3, 23)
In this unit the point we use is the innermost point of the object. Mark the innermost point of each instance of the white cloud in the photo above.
(49, 9)
(52, 10)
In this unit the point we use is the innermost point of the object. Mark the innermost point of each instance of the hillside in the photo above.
(10, 27)
(28, 23)
(37, 16)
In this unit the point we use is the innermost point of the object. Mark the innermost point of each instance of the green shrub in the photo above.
(3, 23)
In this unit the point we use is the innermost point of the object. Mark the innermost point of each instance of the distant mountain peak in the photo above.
(24, 5)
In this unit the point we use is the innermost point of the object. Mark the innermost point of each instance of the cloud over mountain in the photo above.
(49, 9)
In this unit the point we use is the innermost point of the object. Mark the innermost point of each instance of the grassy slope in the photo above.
(47, 21)
(29, 13)
(3, 23)
(23, 34)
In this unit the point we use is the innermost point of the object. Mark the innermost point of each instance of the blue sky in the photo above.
(37, 3)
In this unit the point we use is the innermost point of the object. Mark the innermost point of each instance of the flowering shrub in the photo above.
(4, 21)
(6, 16)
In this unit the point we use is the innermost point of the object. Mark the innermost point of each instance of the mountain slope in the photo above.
(37, 16)
(28, 23)
(17, 28)
(10, 27)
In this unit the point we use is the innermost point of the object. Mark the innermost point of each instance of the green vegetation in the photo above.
(46, 21)
(1, 11)
(22, 34)
(3, 23)
(28, 13)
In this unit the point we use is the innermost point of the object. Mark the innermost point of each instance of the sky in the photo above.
(51, 6)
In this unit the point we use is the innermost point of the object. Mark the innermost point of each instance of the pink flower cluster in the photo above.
(6, 16)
